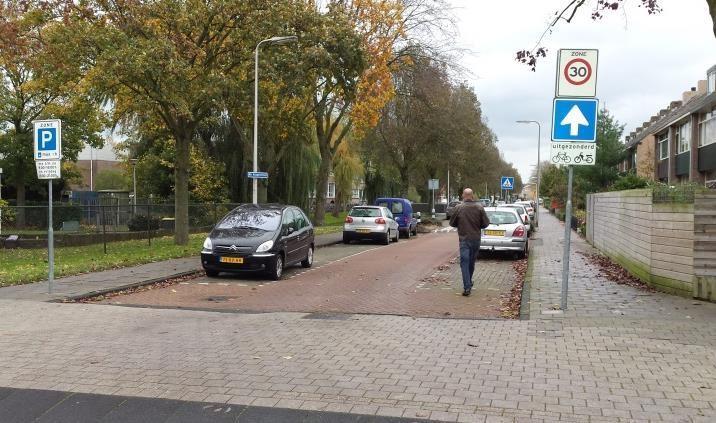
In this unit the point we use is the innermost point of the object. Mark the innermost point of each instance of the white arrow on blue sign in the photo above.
(574, 119)
(507, 182)
(258, 175)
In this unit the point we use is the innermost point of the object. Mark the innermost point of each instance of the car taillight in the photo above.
(349, 219)
(520, 231)
(380, 221)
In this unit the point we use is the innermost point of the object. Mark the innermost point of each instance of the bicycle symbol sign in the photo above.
(573, 153)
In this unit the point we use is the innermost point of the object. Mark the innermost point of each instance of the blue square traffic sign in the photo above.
(575, 119)
(507, 182)
(47, 139)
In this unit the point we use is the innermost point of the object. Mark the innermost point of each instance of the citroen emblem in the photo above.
(234, 248)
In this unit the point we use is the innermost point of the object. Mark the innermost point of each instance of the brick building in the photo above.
(678, 144)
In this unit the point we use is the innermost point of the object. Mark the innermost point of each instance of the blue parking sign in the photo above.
(47, 136)
(574, 119)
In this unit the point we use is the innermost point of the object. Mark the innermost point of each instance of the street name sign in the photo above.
(258, 175)
(577, 73)
(574, 119)
(433, 184)
(507, 182)
(47, 135)
(48, 169)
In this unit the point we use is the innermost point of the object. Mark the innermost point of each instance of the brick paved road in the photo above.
(419, 277)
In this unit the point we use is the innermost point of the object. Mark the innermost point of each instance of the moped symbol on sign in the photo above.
(47, 136)
(577, 73)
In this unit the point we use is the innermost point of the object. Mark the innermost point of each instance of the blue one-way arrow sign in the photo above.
(507, 182)
(575, 119)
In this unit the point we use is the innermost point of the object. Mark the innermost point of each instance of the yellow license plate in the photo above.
(494, 233)
(236, 260)
(363, 231)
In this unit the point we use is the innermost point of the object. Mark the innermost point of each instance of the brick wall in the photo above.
(654, 242)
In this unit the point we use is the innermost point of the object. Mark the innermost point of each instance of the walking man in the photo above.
(469, 218)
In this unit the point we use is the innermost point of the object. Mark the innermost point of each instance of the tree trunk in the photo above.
(324, 171)
(20, 182)
(181, 188)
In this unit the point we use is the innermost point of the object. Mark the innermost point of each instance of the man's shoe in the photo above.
(466, 293)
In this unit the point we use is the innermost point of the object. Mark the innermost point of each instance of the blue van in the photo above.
(402, 210)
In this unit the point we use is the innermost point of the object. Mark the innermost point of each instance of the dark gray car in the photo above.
(451, 208)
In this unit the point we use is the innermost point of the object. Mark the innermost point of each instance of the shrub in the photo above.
(142, 222)
(629, 181)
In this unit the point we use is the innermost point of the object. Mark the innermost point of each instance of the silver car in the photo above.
(523, 214)
(370, 222)
(528, 206)
(506, 232)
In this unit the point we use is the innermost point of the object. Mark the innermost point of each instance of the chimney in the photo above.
(674, 104)
(688, 95)
(701, 86)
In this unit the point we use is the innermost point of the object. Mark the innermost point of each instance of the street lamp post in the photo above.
(539, 165)
(134, 184)
(270, 41)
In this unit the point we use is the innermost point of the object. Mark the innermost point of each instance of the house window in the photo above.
(331, 190)
(663, 141)
(708, 129)
(712, 82)
(683, 138)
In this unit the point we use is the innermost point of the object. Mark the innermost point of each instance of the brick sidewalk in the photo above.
(591, 296)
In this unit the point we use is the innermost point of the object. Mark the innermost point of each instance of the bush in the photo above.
(141, 222)
(629, 181)
(8, 214)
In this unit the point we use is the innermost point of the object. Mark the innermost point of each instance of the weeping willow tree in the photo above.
(347, 168)
(295, 173)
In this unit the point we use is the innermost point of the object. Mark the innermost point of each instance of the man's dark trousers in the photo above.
(468, 254)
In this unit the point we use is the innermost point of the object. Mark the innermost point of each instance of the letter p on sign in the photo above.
(48, 139)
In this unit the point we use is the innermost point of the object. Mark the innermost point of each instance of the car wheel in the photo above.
(277, 268)
(386, 241)
(415, 230)
(308, 261)
(346, 239)
(211, 273)
(397, 235)
(407, 233)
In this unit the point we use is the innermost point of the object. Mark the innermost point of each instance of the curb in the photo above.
(526, 289)
(128, 286)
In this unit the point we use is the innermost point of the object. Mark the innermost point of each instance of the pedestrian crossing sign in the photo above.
(507, 182)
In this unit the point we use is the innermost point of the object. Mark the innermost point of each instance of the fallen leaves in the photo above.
(510, 303)
(157, 285)
(613, 272)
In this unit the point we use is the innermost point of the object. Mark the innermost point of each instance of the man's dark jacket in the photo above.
(469, 218)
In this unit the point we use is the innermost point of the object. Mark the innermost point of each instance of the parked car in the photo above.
(402, 210)
(506, 232)
(451, 208)
(530, 208)
(264, 238)
(523, 215)
(370, 222)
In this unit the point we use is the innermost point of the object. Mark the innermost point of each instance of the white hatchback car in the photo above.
(370, 222)
(506, 232)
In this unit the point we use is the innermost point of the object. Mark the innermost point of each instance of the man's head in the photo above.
(467, 195)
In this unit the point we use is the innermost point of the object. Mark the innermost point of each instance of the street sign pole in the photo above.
(567, 239)
(50, 240)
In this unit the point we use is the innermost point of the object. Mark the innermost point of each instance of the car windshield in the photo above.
(501, 217)
(520, 209)
(364, 212)
(265, 220)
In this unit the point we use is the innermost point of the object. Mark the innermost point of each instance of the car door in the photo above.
(289, 236)
(392, 224)
(303, 234)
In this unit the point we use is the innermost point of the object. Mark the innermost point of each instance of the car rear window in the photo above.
(395, 208)
(364, 212)
(265, 220)
(520, 209)
(501, 217)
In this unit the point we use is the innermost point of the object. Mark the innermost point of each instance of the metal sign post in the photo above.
(47, 137)
(567, 239)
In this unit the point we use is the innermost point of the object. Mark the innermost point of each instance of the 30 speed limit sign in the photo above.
(577, 73)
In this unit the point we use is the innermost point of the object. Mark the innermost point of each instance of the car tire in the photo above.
(386, 241)
(407, 233)
(211, 273)
(308, 261)
(415, 231)
(346, 239)
(397, 235)
(276, 268)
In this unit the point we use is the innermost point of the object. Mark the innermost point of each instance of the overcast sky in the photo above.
(645, 62)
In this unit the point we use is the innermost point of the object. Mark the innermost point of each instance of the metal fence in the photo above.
(104, 220)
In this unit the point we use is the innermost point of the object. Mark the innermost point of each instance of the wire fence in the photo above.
(102, 221)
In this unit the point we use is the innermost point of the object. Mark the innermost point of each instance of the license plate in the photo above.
(491, 232)
(363, 231)
(235, 260)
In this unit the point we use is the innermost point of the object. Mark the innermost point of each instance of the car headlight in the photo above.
(265, 247)
(207, 244)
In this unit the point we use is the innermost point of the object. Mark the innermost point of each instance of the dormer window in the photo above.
(711, 77)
